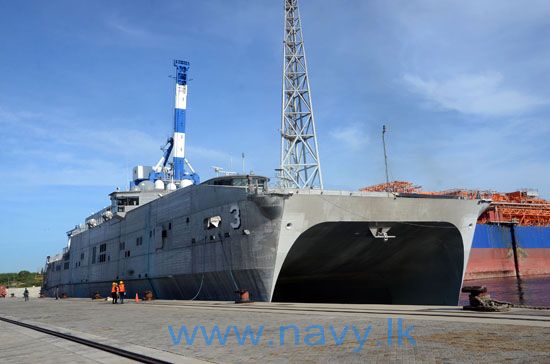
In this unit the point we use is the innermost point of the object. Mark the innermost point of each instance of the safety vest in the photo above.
(114, 288)
(121, 287)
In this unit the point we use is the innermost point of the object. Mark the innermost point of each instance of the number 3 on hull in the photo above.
(236, 213)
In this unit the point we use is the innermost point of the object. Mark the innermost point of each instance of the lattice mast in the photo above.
(300, 163)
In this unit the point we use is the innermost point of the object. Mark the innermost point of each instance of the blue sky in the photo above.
(85, 94)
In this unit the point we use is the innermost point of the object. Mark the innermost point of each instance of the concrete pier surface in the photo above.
(192, 331)
(21, 345)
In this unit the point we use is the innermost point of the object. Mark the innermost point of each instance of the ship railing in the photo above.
(98, 218)
(55, 258)
(314, 191)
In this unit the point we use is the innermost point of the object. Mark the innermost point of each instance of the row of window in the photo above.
(122, 246)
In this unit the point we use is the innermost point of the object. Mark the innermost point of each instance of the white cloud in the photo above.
(352, 136)
(114, 141)
(480, 94)
(121, 25)
(86, 172)
(10, 117)
(121, 30)
(69, 151)
(211, 155)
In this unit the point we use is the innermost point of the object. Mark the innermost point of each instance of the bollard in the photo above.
(148, 296)
(243, 296)
(475, 293)
(480, 300)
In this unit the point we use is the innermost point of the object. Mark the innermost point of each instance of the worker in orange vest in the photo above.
(114, 292)
(121, 291)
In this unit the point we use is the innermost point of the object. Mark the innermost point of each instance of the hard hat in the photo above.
(121, 282)
(114, 283)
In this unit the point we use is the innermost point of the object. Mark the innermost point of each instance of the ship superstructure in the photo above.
(298, 242)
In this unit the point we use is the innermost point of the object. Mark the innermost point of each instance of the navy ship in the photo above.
(292, 241)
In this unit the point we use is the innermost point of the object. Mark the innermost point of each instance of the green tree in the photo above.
(23, 275)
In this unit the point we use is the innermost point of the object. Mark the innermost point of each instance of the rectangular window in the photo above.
(127, 253)
(122, 245)
(81, 256)
(127, 201)
(102, 258)
(139, 241)
(164, 239)
(102, 248)
(66, 265)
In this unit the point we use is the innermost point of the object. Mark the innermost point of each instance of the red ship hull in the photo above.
(492, 253)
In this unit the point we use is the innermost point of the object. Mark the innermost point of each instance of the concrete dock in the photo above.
(174, 331)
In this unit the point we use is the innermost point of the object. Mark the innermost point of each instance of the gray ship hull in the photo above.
(206, 242)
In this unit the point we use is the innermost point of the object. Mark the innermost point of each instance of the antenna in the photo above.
(300, 163)
(222, 172)
(242, 157)
(385, 156)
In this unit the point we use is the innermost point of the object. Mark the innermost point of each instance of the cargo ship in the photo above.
(512, 237)
(238, 235)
